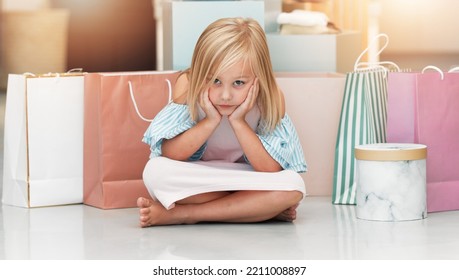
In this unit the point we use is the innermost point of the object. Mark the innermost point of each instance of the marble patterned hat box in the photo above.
(391, 182)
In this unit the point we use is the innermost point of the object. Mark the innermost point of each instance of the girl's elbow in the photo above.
(269, 168)
(174, 155)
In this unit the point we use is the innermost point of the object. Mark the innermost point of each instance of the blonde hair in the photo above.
(224, 43)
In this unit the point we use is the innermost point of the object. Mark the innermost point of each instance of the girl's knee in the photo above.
(155, 171)
(296, 196)
(289, 198)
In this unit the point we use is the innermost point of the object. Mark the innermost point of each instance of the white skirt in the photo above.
(170, 180)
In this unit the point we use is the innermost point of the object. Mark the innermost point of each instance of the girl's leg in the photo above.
(286, 215)
(241, 207)
(201, 198)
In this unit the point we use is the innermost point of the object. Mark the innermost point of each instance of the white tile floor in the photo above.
(80, 232)
(322, 232)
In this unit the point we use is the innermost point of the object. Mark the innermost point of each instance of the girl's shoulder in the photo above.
(180, 92)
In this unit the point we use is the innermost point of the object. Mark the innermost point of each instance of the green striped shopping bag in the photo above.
(362, 121)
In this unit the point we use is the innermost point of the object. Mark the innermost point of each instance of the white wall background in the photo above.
(420, 26)
(421, 32)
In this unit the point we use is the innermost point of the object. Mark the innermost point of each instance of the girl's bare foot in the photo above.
(288, 215)
(153, 213)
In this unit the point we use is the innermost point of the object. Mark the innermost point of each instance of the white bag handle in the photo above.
(375, 65)
(57, 75)
(75, 70)
(442, 75)
(131, 91)
(374, 41)
(454, 69)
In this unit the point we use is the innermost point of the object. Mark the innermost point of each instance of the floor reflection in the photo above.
(43, 233)
(322, 232)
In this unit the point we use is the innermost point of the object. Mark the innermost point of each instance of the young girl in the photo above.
(224, 150)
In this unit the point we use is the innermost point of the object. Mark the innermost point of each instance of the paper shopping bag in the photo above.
(313, 99)
(423, 108)
(401, 103)
(118, 107)
(43, 140)
(362, 121)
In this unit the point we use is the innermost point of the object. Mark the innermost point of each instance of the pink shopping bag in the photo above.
(118, 107)
(401, 89)
(424, 108)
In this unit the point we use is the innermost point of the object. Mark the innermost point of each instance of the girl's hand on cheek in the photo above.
(250, 101)
(209, 108)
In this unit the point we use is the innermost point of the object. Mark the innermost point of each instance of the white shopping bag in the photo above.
(43, 144)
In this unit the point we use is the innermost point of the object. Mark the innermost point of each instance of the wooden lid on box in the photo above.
(390, 152)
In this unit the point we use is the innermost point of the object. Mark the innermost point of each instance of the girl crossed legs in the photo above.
(232, 207)
(251, 203)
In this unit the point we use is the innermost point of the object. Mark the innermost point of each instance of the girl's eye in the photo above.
(217, 82)
(239, 83)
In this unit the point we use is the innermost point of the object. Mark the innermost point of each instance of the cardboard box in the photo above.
(184, 21)
(315, 52)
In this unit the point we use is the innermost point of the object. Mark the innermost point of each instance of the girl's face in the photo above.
(231, 87)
